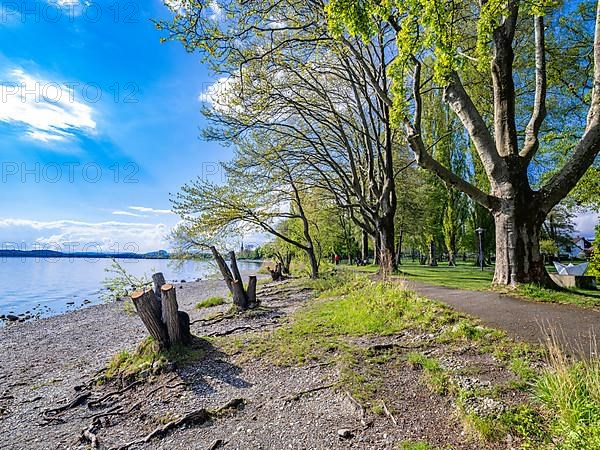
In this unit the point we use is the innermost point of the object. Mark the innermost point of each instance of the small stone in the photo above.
(12, 318)
(345, 433)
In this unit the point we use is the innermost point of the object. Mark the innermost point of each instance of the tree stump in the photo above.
(149, 310)
(251, 291)
(158, 281)
(170, 314)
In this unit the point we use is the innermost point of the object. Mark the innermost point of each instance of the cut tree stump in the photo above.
(149, 310)
(158, 281)
(251, 291)
(170, 314)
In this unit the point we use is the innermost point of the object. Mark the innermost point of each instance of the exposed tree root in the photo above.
(77, 401)
(216, 444)
(93, 403)
(197, 417)
(299, 395)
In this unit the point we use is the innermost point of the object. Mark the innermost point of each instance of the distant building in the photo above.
(577, 247)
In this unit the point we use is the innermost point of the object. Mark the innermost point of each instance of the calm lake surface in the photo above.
(47, 287)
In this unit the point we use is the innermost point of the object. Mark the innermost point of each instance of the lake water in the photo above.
(47, 287)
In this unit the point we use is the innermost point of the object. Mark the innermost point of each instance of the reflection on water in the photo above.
(52, 286)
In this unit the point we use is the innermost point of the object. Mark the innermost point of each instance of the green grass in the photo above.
(148, 360)
(211, 301)
(564, 410)
(411, 445)
(570, 395)
(437, 379)
(466, 276)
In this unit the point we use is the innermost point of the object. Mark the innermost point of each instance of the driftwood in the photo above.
(159, 313)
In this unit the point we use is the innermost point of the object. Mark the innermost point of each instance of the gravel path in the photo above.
(574, 328)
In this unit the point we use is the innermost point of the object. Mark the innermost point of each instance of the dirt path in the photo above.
(575, 328)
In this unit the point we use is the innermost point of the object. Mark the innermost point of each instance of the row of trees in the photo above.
(403, 121)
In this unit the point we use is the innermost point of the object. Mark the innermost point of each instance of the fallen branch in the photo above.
(388, 413)
(197, 417)
(361, 408)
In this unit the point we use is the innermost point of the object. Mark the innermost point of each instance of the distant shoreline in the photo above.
(82, 255)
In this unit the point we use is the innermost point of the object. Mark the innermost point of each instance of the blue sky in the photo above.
(99, 122)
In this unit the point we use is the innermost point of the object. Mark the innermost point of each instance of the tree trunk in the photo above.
(251, 291)
(240, 299)
(365, 245)
(149, 310)
(399, 249)
(170, 315)
(158, 280)
(387, 247)
(314, 264)
(451, 258)
(235, 271)
(432, 255)
(518, 257)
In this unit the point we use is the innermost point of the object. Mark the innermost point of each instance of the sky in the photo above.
(99, 123)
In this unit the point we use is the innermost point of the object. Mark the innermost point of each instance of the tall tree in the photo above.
(467, 40)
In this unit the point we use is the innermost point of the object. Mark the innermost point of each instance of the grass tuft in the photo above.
(570, 395)
(148, 360)
(211, 301)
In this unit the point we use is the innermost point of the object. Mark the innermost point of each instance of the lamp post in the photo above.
(479, 232)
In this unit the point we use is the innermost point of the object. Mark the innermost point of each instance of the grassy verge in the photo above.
(467, 276)
(351, 312)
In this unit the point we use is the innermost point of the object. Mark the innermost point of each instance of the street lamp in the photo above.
(479, 232)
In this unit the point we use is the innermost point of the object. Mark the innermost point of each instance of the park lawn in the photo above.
(466, 276)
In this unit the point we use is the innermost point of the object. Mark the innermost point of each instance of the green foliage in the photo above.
(211, 301)
(594, 268)
(570, 395)
(121, 284)
(548, 247)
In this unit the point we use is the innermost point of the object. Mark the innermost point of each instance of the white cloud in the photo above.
(49, 111)
(127, 213)
(585, 223)
(145, 209)
(69, 235)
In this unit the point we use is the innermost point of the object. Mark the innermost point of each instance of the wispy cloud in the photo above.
(69, 235)
(127, 213)
(49, 111)
(145, 209)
